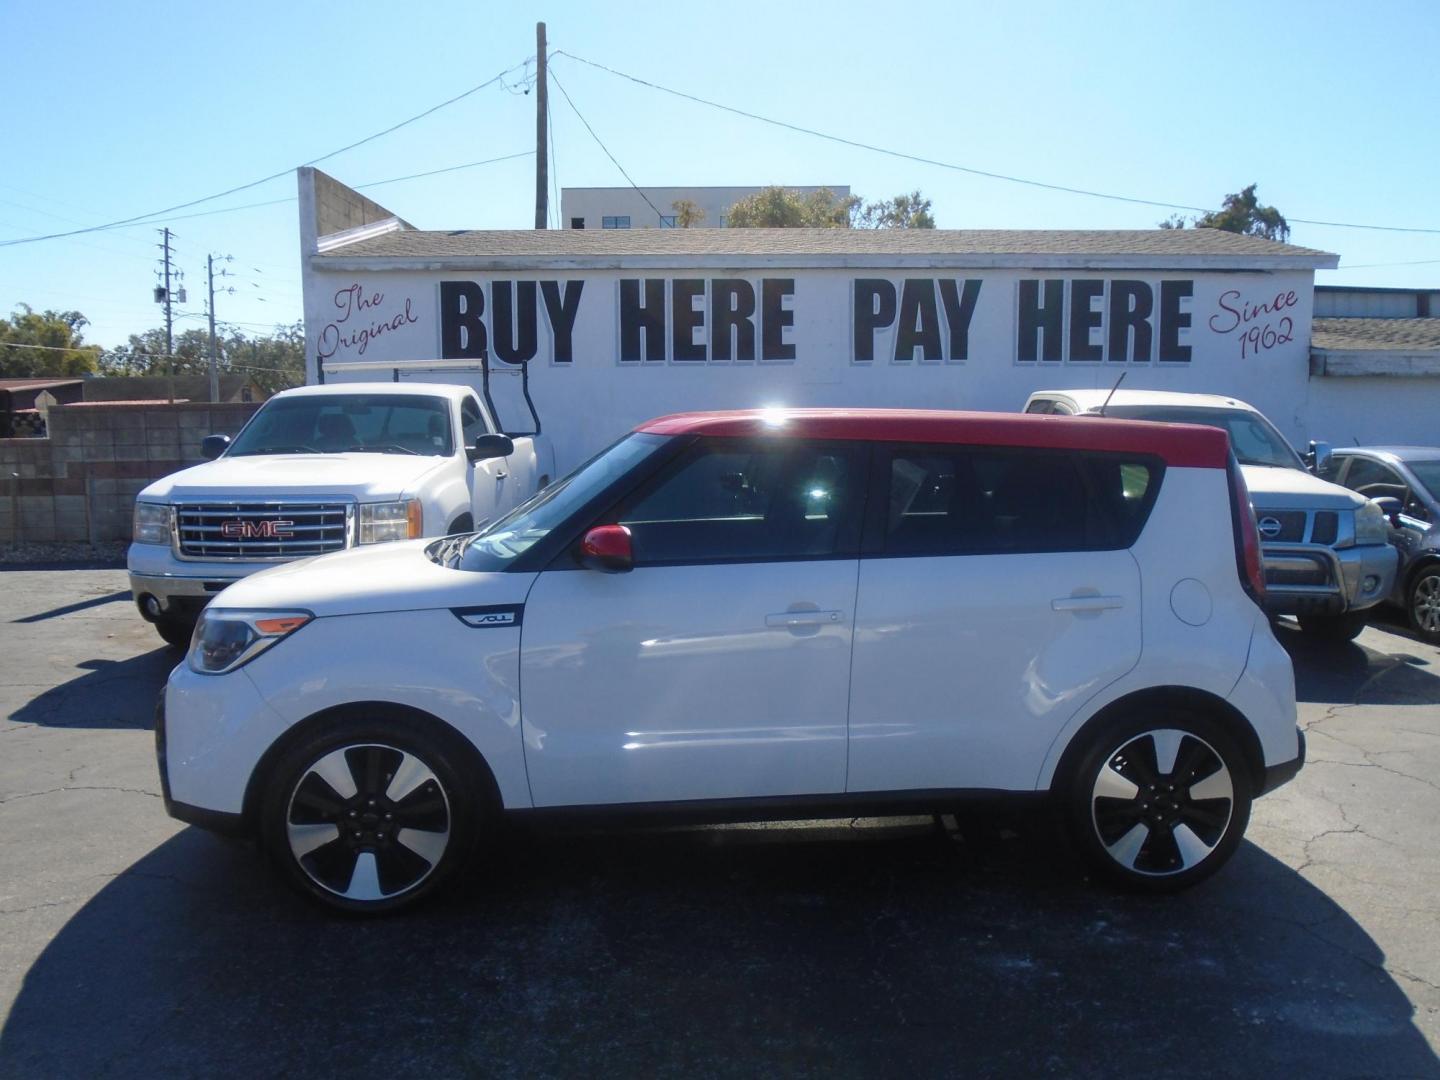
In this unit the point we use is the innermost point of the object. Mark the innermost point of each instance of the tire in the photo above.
(341, 832)
(1422, 603)
(176, 632)
(1132, 804)
(1334, 628)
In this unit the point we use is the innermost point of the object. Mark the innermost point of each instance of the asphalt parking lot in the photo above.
(133, 946)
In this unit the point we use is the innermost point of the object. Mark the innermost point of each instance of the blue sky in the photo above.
(114, 110)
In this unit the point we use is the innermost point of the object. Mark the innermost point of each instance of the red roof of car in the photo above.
(1180, 445)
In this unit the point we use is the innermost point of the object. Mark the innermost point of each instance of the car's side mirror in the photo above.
(1391, 508)
(607, 548)
(1318, 457)
(212, 446)
(490, 446)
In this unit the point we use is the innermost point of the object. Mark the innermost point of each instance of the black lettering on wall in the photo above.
(732, 308)
(959, 310)
(561, 309)
(637, 319)
(1083, 319)
(1041, 320)
(685, 320)
(462, 326)
(1173, 320)
(775, 317)
(1131, 303)
(919, 322)
(874, 309)
(513, 344)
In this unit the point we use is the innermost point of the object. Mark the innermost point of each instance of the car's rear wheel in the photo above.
(1159, 802)
(1423, 603)
(1335, 628)
(368, 818)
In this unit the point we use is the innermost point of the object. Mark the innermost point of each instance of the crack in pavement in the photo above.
(78, 787)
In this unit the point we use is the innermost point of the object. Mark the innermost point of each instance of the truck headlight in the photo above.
(226, 639)
(152, 523)
(382, 522)
(1371, 525)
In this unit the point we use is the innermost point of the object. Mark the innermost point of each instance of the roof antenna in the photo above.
(1112, 391)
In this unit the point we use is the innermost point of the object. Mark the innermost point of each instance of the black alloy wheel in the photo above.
(368, 824)
(1422, 603)
(1159, 805)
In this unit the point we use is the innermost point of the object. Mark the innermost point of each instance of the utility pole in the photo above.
(542, 113)
(169, 314)
(214, 361)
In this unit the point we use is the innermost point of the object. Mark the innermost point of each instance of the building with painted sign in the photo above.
(617, 326)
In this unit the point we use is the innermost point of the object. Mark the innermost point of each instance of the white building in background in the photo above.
(627, 208)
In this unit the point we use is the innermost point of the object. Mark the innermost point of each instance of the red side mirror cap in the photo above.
(607, 548)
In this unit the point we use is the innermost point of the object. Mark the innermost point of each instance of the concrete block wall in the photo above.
(79, 483)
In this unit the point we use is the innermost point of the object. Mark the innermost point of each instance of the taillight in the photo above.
(1247, 535)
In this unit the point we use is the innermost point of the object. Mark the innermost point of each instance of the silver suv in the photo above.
(1326, 549)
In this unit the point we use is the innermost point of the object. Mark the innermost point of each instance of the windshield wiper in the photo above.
(276, 450)
(383, 448)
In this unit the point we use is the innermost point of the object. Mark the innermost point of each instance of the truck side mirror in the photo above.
(490, 446)
(1318, 457)
(607, 548)
(1391, 507)
(212, 446)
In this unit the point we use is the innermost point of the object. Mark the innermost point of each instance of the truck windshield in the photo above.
(1252, 437)
(503, 540)
(354, 423)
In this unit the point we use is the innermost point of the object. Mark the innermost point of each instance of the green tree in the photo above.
(61, 349)
(274, 361)
(904, 211)
(687, 214)
(785, 208)
(1241, 212)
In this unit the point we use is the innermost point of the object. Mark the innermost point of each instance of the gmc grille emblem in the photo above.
(1270, 528)
(257, 530)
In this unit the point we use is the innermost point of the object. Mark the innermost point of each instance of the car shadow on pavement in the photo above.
(111, 694)
(842, 949)
(1353, 674)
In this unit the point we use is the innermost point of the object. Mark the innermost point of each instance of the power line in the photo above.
(266, 179)
(602, 146)
(943, 164)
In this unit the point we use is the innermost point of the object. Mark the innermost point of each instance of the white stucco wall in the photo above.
(587, 402)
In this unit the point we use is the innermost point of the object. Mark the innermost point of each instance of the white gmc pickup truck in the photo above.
(319, 469)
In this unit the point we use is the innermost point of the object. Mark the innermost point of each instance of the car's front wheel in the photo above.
(1423, 603)
(369, 817)
(175, 632)
(1159, 802)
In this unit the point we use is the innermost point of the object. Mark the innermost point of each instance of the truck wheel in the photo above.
(1159, 802)
(1422, 603)
(176, 632)
(1334, 628)
(368, 817)
(463, 524)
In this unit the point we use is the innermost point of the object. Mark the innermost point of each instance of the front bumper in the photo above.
(1315, 579)
(165, 587)
(1285, 771)
(214, 820)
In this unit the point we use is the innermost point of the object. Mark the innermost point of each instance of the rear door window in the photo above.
(955, 500)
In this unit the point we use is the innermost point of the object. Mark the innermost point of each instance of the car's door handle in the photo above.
(802, 618)
(501, 475)
(1087, 603)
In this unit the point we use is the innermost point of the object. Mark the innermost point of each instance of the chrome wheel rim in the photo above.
(1425, 604)
(1162, 802)
(368, 822)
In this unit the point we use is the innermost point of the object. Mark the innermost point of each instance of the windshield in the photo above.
(1252, 437)
(335, 424)
(517, 532)
(1428, 473)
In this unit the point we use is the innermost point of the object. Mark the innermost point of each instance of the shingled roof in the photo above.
(1399, 335)
(597, 248)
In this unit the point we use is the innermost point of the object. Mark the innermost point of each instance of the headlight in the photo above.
(382, 522)
(1371, 525)
(152, 523)
(226, 639)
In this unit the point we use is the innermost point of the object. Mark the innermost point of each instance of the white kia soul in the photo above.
(762, 614)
